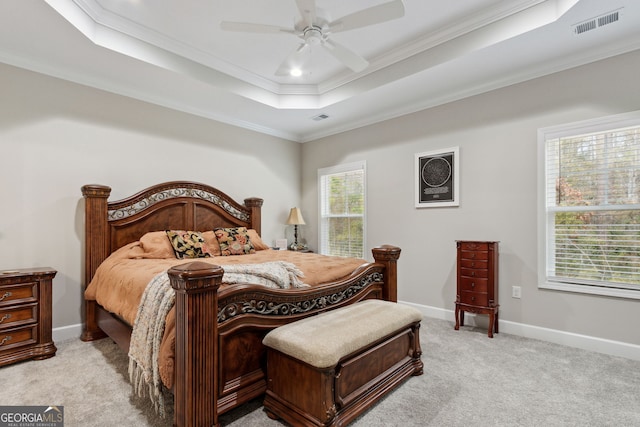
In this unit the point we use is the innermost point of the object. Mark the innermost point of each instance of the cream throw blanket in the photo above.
(158, 299)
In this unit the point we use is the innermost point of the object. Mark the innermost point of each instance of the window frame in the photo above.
(331, 170)
(546, 233)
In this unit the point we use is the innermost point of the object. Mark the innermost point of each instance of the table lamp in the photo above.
(295, 219)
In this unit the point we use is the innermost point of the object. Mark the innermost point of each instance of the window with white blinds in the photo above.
(342, 210)
(592, 206)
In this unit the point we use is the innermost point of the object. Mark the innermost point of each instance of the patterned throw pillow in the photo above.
(234, 241)
(188, 244)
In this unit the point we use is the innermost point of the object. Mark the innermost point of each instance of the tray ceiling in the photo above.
(175, 54)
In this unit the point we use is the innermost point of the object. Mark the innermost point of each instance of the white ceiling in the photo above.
(173, 53)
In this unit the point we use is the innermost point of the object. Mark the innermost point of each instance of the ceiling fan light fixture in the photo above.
(314, 30)
(295, 72)
(313, 35)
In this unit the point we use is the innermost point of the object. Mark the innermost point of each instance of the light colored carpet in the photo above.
(469, 379)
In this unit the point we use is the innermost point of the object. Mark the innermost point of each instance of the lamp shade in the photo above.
(295, 217)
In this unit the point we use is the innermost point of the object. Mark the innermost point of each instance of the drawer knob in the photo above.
(5, 296)
(473, 298)
(5, 339)
(5, 317)
(473, 255)
(473, 284)
(473, 274)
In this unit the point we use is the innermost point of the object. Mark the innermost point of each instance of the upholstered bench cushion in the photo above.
(322, 340)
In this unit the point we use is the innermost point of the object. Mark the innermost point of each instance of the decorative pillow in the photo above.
(234, 241)
(155, 245)
(256, 241)
(188, 244)
(211, 241)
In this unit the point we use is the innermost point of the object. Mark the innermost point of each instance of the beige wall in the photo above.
(497, 136)
(56, 136)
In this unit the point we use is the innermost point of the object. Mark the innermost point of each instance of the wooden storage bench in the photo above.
(328, 369)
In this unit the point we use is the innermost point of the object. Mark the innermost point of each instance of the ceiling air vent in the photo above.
(319, 117)
(597, 22)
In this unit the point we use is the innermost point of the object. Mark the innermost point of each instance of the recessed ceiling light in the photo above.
(295, 72)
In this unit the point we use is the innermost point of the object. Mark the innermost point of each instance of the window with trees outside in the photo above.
(342, 210)
(590, 206)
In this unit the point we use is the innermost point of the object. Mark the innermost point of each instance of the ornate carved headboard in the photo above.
(178, 205)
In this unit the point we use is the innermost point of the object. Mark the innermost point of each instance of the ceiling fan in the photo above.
(315, 30)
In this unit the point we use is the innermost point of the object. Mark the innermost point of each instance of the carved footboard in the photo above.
(195, 386)
(220, 359)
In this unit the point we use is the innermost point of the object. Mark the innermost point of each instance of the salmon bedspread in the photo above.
(120, 281)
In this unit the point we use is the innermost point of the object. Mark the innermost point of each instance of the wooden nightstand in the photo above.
(477, 289)
(25, 315)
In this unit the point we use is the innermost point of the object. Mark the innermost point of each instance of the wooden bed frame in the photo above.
(220, 360)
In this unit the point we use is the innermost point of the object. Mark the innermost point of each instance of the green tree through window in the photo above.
(342, 210)
(593, 208)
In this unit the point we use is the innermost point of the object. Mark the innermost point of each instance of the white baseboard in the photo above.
(585, 342)
(64, 333)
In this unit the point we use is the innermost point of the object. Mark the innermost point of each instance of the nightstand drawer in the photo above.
(11, 317)
(18, 337)
(474, 298)
(25, 314)
(473, 284)
(18, 293)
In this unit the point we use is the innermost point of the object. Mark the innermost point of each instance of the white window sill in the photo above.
(592, 290)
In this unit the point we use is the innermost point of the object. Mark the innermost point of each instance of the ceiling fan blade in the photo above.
(247, 27)
(307, 9)
(373, 15)
(344, 55)
(295, 60)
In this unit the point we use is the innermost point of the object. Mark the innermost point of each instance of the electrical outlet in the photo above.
(516, 292)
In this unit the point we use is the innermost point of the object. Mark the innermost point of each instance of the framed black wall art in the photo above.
(437, 178)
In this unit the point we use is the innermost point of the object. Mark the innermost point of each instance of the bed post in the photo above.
(388, 255)
(196, 358)
(96, 249)
(255, 204)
